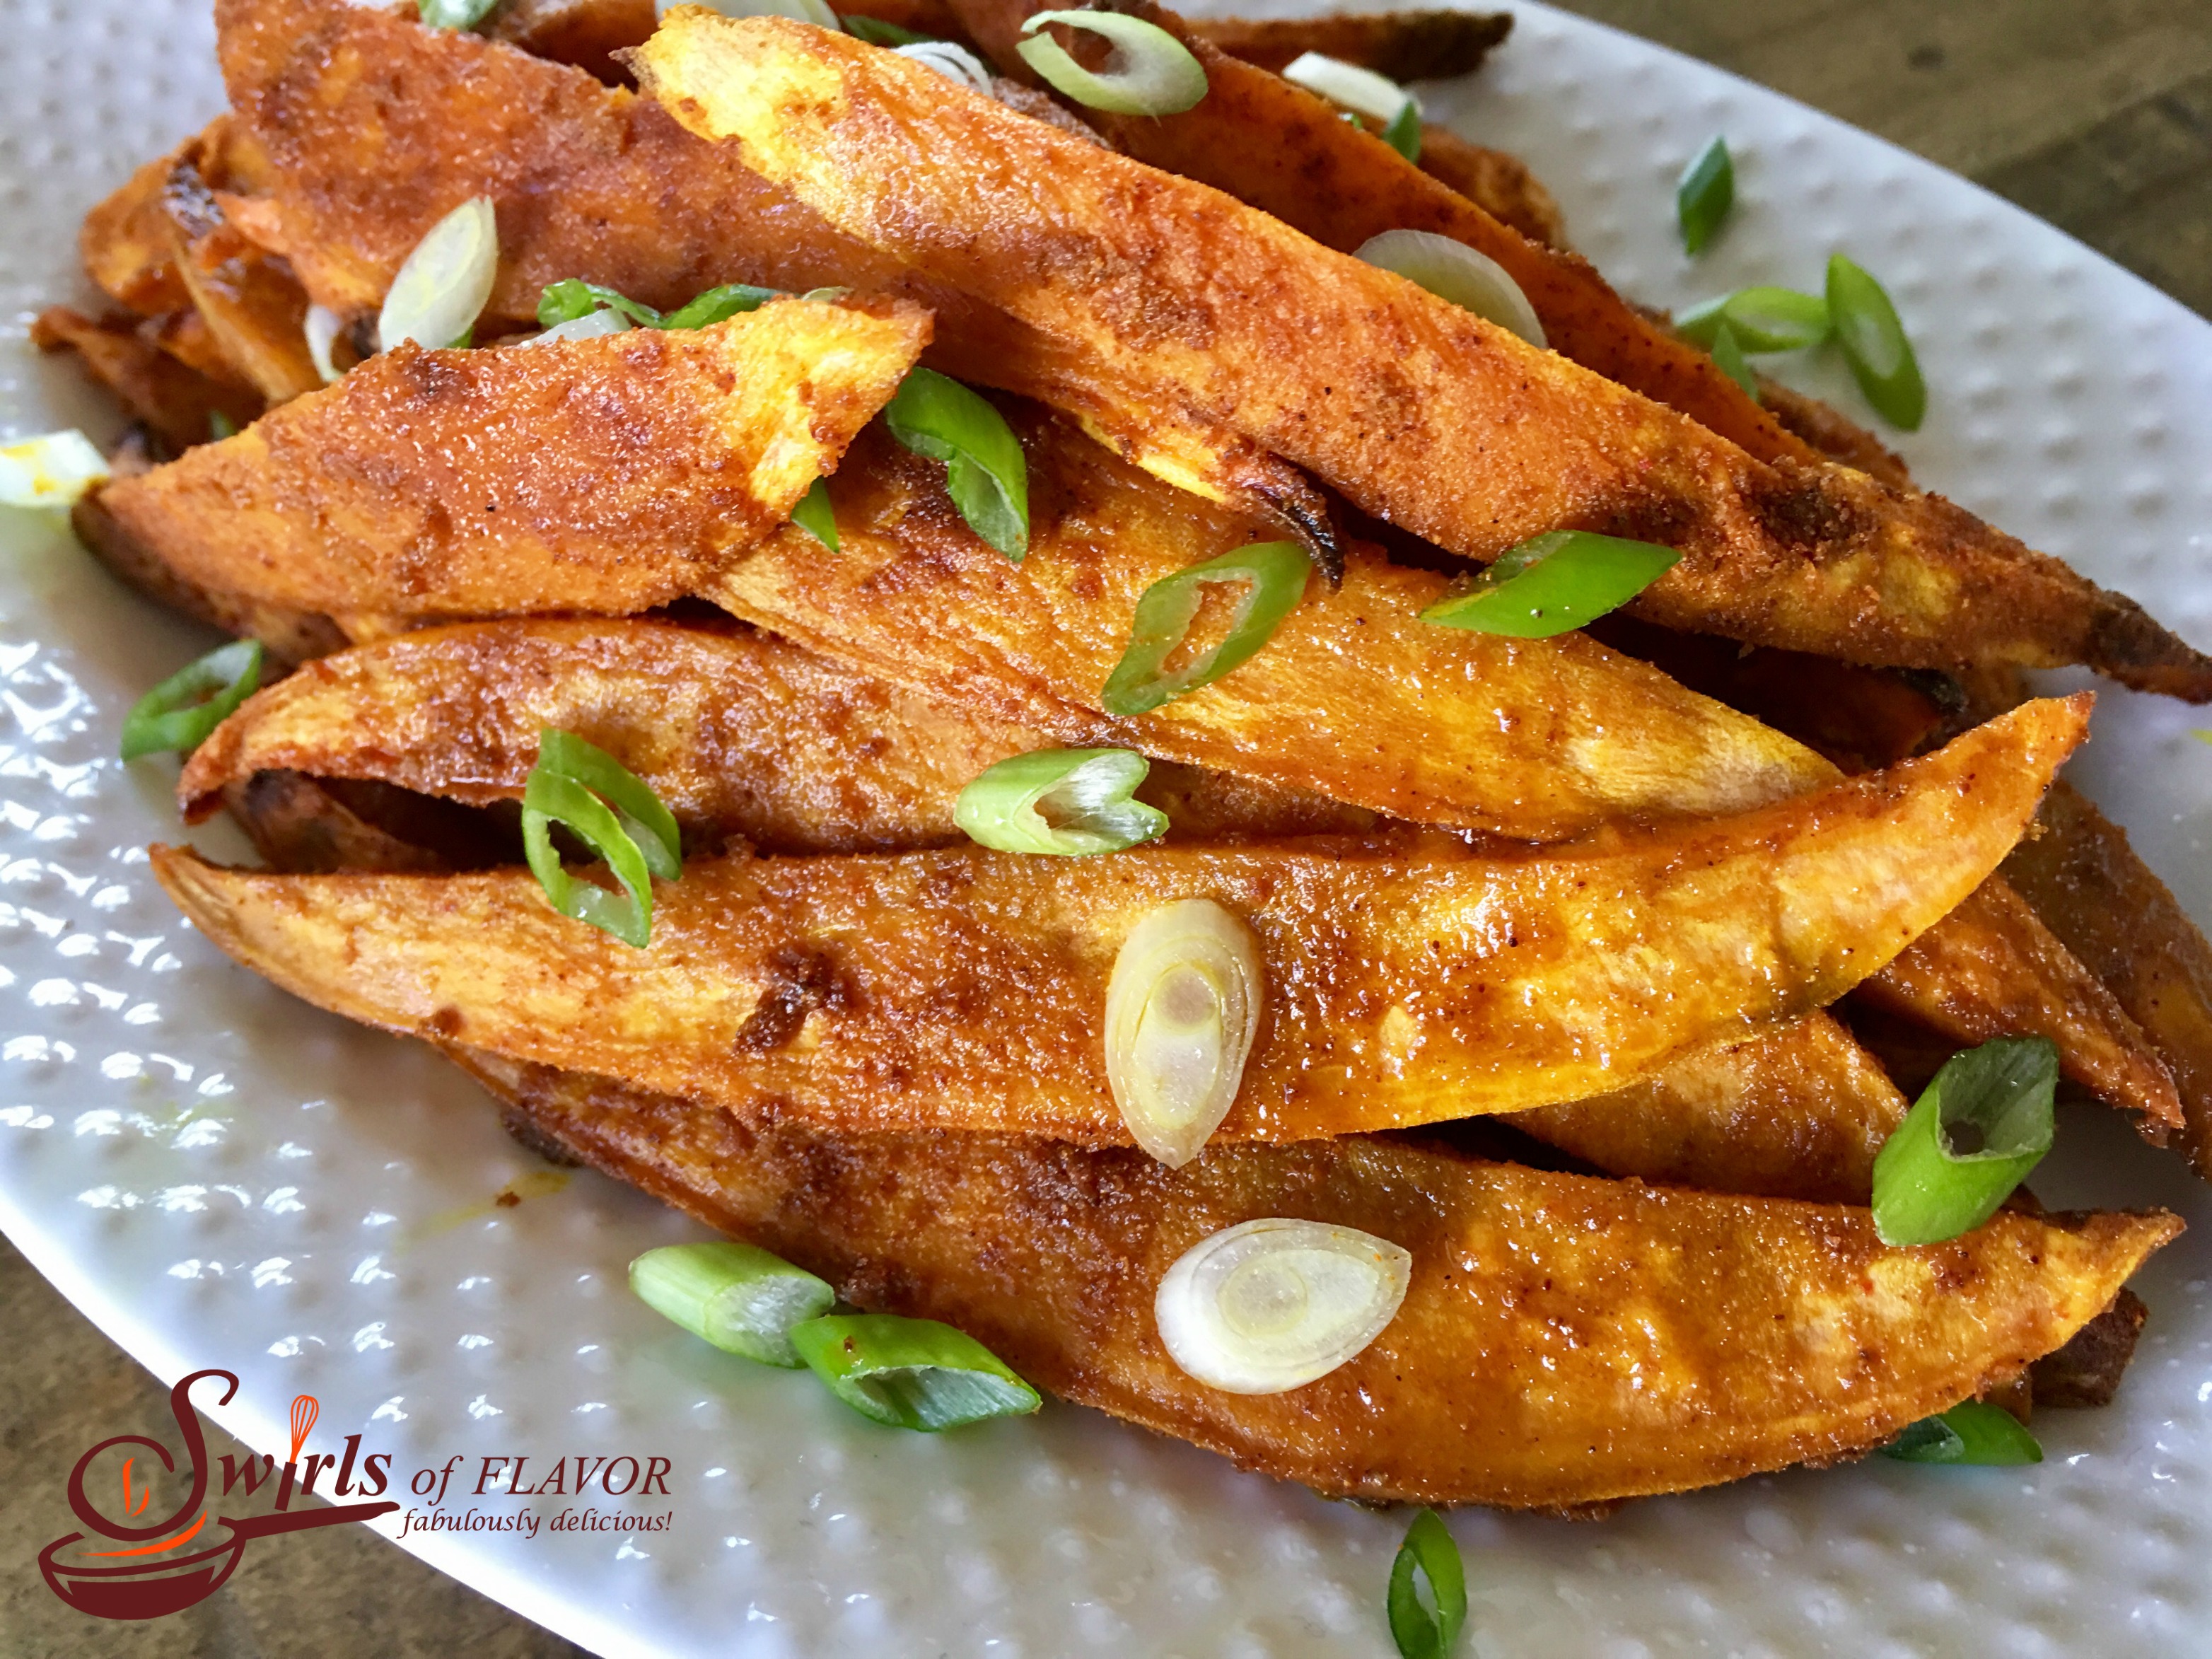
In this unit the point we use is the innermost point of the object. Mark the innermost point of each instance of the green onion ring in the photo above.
(1875, 345)
(737, 1297)
(877, 33)
(911, 1373)
(613, 811)
(1150, 72)
(1274, 577)
(1427, 1630)
(985, 473)
(1973, 1431)
(1727, 353)
(2001, 1093)
(815, 515)
(1087, 792)
(1554, 583)
(1704, 194)
(178, 714)
(444, 282)
(1403, 133)
(453, 13)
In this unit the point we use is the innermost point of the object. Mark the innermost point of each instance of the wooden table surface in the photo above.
(2096, 114)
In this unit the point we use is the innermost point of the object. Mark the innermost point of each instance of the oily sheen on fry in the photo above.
(1422, 414)
(1399, 988)
(1564, 1341)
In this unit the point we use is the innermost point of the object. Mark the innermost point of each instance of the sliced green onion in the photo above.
(1274, 1304)
(1553, 583)
(989, 480)
(1727, 353)
(1426, 1628)
(1071, 802)
(1704, 194)
(595, 326)
(178, 714)
(951, 60)
(1149, 71)
(1182, 1007)
(1273, 575)
(1763, 319)
(1452, 270)
(611, 810)
(453, 13)
(1997, 1099)
(816, 516)
(443, 286)
(576, 301)
(1404, 134)
(1973, 1431)
(221, 426)
(1380, 98)
(719, 304)
(816, 12)
(53, 470)
(321, 328)
(877, 32)
(1875, 346)
(911, 1373)
(737, 1297)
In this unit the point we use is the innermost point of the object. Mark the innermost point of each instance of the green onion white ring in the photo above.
(1376, 96)
(441, 289)
(951, 60)
(1068, 803)
(321, 328)
(737, 1297)
(1182, 1007)
(1273, 1304)
(591, 327)
(1149, 72)
(53, 470)
(1452, 270)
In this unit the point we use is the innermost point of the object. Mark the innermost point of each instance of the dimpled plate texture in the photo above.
(220, 1176)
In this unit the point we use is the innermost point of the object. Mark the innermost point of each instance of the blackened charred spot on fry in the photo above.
(802, 978)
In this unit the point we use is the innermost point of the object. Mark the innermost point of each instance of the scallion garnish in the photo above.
(178, 714)
(1554, 583)
(1425, 1627)
(1875, 346)
(1273, 575)
(1452, 270)
(1973, 1431)
(1271, 1306)
(1148, 72)
(221, 426)
(1069, 802)
(442, 288)
(1763, 319)
(1704, 194)
(951, 60)
(816, 516)
(1392, 108)
(453, 13)
(321, 325)
(606, 805)
(1404, 132)
(737, 1297)
(1727, 353)
(816, 12)
(573, 300)
(935, 416)
(1971, 1137)
(53, 470)
(719, 304)
(877, 32)
(596, 326)
(911, 1373)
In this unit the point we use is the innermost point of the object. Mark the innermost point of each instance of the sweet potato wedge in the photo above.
(1566, 1341)
(1405, 45)
(1501, 185)
(1421, 413)
(253, 306)
(1401, 988)
(124, 240)
(179, 403)
(614, 473)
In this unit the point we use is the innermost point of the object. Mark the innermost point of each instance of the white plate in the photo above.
(219, 1176)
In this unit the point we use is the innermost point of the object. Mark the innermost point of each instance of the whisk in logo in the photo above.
(160, 1565)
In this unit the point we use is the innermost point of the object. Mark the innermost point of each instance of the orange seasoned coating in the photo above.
(1565, 1341)
(614, 473)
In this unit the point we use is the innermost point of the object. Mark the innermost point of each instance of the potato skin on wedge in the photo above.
(1399, 988)
(607, 474)
(1566, 1341)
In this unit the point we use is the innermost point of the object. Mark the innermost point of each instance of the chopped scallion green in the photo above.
(911, 1373)
(454, 14)
(1403, 133)
(1148, 72)
(1072, 802)
(606, 805)
(877, 33)
(1425, 1627)
(718, 305)
(1973, 1136)
(1704, 194)
(1273, 575)
(816, 516)
(1973, 1431)
(1728, 354)
(737, 1297)
(573, 299)
(1875, 345)
(985, 473)
(178, 714)
(221, 426)
(1554, 583)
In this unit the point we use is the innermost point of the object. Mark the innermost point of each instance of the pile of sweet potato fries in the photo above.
(1598, 967)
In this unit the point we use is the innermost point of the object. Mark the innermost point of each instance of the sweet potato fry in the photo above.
(2087, 885)
(176, 401)
(252, 304)
(1403, 988)
(124, 240)
(1566, 1341)
(1422, 414)
(614, 473)
(372, 128)
(585, 33)
(1405, 45)
(1500, 185)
